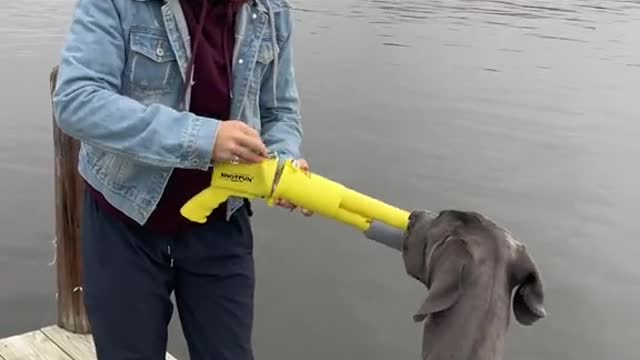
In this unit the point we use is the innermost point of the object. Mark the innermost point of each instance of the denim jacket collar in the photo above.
(263, 6)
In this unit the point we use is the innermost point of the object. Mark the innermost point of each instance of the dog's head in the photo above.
(441, 252)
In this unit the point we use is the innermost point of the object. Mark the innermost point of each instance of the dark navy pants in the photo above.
(130, 273)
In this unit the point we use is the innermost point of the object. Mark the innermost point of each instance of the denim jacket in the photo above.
(121, 85)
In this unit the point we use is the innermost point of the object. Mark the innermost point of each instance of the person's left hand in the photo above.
(302, 164)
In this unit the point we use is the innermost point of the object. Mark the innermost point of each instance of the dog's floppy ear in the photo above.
(528, 301)
(444, 274)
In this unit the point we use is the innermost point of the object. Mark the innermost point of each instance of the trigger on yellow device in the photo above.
(241, 180)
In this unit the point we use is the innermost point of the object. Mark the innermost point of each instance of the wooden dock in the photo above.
(50, 343)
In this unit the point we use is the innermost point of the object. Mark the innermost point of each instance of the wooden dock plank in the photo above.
(75, 345)
(34, 345)
(79, 347)
(50, 343)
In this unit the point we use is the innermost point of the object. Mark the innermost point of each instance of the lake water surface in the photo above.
(523, 110)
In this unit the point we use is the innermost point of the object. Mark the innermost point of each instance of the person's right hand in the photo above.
(238, 142)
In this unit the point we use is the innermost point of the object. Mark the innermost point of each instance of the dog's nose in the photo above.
(418, 216)
(413, 217)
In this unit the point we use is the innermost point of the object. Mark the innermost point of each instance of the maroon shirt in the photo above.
(211, 27)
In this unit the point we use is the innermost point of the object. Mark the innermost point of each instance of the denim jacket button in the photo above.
(195, 162)
(160, 52)
(254, 16)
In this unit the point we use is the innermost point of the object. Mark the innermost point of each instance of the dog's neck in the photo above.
(475, 327)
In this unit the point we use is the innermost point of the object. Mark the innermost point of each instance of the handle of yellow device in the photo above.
(248, 181)
(199, 207)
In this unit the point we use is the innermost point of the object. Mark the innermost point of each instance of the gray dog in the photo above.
(471, 267)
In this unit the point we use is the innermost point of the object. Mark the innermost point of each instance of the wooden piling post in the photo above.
(69, 190)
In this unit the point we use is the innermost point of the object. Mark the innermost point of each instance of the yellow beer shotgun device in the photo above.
(274, 179)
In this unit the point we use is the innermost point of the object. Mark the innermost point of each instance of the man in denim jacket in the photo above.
(158, 91)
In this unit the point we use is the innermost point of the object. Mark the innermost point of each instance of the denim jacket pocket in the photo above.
(99, 161)
(263, 60)
(112, 170)
(151, 64)
(265, 51)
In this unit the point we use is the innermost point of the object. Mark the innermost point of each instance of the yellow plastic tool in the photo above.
(274, 179)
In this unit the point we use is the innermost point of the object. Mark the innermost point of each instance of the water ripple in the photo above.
(534, 17)
(510, 11)
(31, 23)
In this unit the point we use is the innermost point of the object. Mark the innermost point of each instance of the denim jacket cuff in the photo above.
(206, 130)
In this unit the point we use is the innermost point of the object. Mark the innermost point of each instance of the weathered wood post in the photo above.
(68, 206)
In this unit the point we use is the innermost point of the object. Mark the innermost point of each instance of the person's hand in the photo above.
(302, 164)
(238, 142)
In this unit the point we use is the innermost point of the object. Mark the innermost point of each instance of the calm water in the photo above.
(523, 110)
